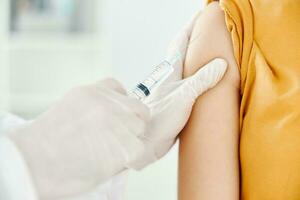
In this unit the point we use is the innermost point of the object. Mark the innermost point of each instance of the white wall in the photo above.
(42, 69)
(4, 71)
(39, 68)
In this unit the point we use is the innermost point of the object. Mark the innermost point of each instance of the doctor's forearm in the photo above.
(208, 163)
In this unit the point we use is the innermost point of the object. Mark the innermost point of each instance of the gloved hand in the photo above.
(171, 104)
(84, 139)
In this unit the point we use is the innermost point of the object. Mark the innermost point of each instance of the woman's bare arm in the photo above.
(208, 163)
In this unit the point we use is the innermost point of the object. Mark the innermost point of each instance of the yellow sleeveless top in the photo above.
(266, 41)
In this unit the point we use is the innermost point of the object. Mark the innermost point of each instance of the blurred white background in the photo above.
(50, 46)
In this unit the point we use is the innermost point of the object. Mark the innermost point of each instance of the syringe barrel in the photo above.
(154, 80)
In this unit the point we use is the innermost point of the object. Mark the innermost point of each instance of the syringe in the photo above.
(162, 72)
(159, 75)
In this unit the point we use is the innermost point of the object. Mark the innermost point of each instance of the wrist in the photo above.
(147, 155)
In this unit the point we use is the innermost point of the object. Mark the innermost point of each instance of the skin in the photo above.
(208, 158)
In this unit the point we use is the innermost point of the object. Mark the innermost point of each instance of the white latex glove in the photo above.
(83, 140)
(172, 103)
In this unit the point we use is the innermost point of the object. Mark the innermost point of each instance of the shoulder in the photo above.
(211, 39)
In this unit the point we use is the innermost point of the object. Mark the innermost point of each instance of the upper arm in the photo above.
(208, 161)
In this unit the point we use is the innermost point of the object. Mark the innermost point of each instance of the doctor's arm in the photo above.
(208, 161)
(73, 146)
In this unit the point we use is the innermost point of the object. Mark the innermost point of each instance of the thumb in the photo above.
(206, 77)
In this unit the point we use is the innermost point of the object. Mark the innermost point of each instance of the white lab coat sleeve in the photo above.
(9, 121)
(15, 180)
